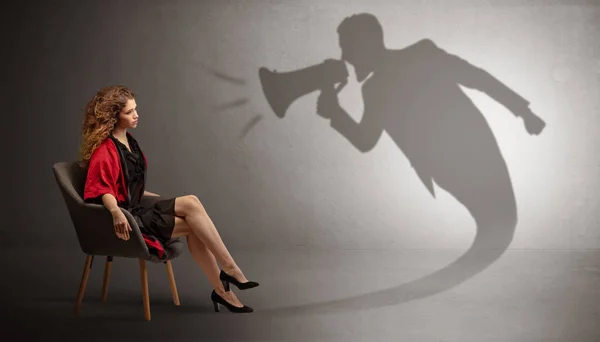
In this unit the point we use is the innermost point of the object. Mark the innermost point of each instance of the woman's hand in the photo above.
(121, 224)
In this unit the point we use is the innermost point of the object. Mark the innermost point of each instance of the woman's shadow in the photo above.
(413, 94)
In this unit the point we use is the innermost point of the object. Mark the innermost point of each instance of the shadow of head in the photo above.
(361, 42)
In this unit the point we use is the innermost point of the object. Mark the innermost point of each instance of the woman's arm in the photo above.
(121, 225)
(148, 193)
(110, 202)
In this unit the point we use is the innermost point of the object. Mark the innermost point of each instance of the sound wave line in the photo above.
(224, 76)
(232, 104)
(253, 122)
(235, 103)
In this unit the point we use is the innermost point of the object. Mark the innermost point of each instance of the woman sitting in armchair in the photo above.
(116, 178)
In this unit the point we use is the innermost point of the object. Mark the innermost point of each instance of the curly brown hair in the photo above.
(101, 116)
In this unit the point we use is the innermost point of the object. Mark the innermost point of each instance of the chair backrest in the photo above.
(93, 222)
(71, 178)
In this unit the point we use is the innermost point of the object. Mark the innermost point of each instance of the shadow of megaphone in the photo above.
(281, 89)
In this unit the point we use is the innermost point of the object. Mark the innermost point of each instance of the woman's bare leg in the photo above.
(205, 259)
(193, 212)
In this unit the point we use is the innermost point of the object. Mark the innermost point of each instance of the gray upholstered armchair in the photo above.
(94, 228)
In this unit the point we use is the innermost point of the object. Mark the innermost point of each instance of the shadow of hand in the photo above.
(328, 103)
(533, 123)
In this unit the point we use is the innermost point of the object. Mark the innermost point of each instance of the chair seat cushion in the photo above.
(173, 248)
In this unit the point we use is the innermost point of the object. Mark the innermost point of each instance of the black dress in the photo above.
(154, 215)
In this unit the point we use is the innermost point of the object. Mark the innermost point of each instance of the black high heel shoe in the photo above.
(226, 279)
(216, 299)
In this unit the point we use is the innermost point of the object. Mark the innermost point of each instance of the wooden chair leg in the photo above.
(145, 294)
(83, 283)
(107, 269)
(172, 282)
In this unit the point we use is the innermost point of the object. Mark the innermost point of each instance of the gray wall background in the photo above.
(295, 183)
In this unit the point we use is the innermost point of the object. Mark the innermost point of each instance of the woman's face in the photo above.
(128, 117)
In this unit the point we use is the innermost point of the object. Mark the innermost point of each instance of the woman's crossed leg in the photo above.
(205, 244)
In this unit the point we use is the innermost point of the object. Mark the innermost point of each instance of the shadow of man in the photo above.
(414, 95)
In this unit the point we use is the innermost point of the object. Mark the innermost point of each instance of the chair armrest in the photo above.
(96, 234)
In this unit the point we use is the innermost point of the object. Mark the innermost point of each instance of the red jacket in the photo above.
(105, 174)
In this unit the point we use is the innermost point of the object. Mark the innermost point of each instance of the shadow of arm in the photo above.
(363, 135)
(474, 77)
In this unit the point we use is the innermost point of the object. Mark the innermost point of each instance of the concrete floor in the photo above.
(308, 295)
